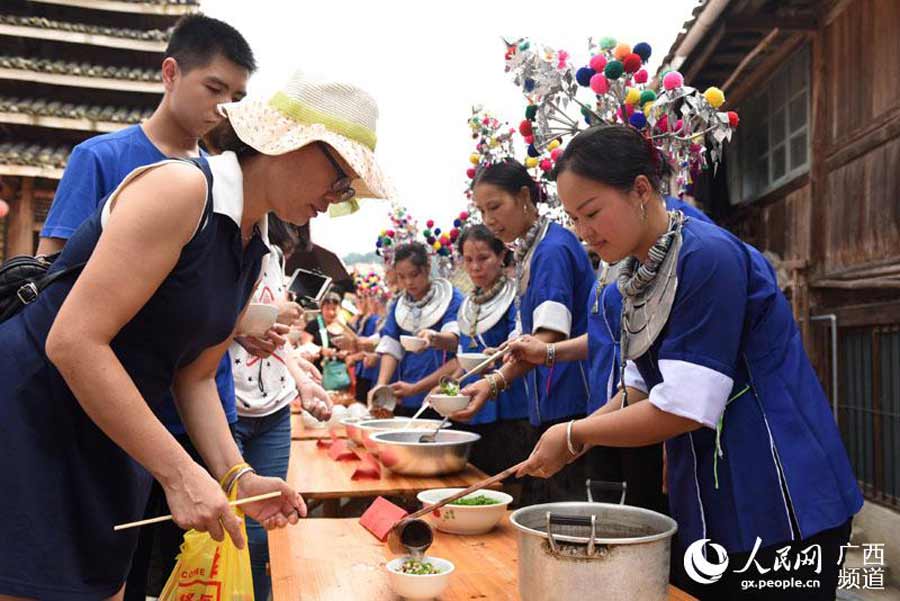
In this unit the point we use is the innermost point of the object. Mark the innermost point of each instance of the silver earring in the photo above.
(643, 211)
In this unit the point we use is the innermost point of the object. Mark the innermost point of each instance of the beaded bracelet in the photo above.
(551, 355)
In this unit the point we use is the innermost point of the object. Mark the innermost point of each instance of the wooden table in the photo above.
(317, 476)
(352, 566)
(299, 432)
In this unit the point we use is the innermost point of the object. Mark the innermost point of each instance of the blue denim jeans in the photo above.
(265, 443)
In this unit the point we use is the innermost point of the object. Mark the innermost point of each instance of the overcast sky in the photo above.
(426, 64)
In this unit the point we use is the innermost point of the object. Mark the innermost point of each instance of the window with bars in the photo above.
(869, 413)
(772, 144)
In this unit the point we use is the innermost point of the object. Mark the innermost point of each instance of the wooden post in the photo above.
(20, 221)
(818, 176)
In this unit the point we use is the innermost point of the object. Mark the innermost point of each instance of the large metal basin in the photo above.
(402, 453)
(361, 432)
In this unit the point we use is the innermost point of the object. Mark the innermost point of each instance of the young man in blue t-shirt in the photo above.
(207, 62)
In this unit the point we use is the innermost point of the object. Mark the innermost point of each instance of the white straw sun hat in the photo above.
(305, 111)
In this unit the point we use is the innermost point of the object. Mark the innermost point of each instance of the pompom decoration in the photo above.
(599, 85)
(607, 43)
(457, 223)
(647, 107)
(430, 239)
(632, 62)
(531, 162)
(426, 233)
(629, 110)
(673, 80)
(436, 245)
(647, 96)
(641, 76)
(470, 172)
(714, 96)
(598, 62)
(529, 85)
(531, 112)
(429, 223)
(678, 125)
(528, 139)
(532, 151)
(379, 243)
(464, 215)
(525, 128)
(632, 96)
(733, 119)
(613, 70)
(474, 158)
(621, 51)
(583, 76)
(437, 231)
(555, 154)
(454, 233)
(546, 165)
(638, 121)
(643, 50)
(390, 233)
(554, 144)
(387, 242)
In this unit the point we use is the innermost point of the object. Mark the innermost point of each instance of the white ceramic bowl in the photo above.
(413, 344)
(470, 361)
(465, 519)
(415, 586)
(258, 319)
(448, 404)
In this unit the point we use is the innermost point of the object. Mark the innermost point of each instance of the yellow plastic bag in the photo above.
(207, 570)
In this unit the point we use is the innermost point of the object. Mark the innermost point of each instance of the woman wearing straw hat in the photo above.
(170, 263)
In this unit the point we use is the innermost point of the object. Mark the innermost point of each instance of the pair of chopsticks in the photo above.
(166, 518)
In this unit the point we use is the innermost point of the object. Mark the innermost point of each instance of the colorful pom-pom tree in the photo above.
(613, 86)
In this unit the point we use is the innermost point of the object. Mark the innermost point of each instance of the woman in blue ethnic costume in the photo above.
(487, 319)
(715, 367)
(83, 367)
(426, 304)
(554, 279)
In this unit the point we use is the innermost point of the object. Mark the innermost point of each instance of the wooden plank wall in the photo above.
(862, 194)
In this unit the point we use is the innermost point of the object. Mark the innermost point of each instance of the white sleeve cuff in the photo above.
(554, 316)
(633, 377)
(692, 391)
(390, 346)
(451, 327)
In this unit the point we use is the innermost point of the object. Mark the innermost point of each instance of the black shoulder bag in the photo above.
(23, 278)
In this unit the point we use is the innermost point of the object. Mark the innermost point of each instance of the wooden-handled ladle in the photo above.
(395, 540)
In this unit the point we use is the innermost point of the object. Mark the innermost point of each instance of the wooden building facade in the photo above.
(813, 176)
(69, 70)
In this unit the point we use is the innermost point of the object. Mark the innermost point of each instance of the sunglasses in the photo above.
(341, 186)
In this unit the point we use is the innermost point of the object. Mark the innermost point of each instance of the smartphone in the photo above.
(309, 287)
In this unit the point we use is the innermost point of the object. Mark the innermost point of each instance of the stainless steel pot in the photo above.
(402, 453)
(593, 551)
